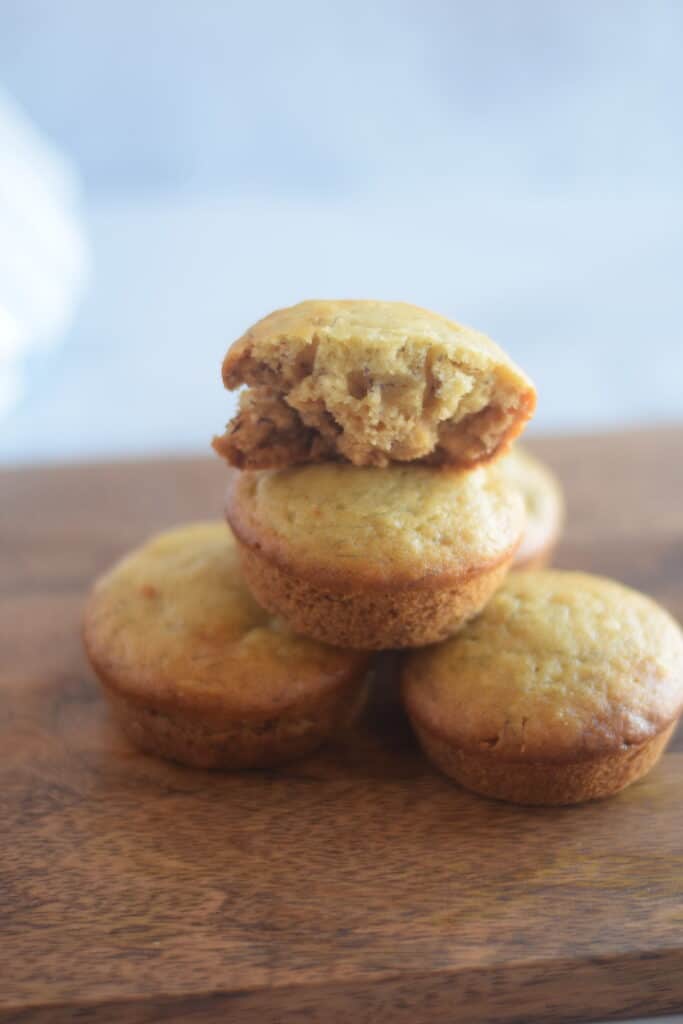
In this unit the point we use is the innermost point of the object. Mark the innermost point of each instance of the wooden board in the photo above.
(359, 885)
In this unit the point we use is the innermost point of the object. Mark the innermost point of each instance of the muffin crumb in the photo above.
(370, 383)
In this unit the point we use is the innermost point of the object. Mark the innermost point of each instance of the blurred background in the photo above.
(172, 170)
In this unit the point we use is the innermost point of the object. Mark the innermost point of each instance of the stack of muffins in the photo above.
(377, 506)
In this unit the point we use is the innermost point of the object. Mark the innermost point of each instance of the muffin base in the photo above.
(372, 619)
(201, 742)
(543, 784)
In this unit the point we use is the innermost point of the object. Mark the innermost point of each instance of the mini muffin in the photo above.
(372, 559)
(544, 504)
(370, 383)
(196, 672)
(566, 688)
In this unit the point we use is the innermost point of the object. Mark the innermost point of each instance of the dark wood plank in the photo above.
(359, 885)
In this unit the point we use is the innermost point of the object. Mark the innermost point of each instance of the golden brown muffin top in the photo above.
(403, 525)
(543, 501)
(370, 383)
(173, 622)
(560, 666)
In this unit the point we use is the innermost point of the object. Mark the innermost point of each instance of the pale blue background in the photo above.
(514, 165)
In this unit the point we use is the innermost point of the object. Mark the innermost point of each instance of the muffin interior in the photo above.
(306, 402)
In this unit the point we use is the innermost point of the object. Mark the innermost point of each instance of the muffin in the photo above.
(566, 688)
(196, 672)
(370, 383)
(544, 504)
(374, 559)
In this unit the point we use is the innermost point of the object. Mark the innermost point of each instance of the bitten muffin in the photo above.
(374, 559)
(370, 383)
(544, 504)
(197, 672)
(566, 688)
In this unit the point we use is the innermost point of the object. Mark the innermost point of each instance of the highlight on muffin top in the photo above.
(175, 619)
(406, 525)
(370, 383)
(560, 666)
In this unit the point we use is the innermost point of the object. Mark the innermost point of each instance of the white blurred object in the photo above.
(43, 253)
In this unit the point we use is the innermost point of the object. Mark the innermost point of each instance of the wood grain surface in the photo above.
(357, 886)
